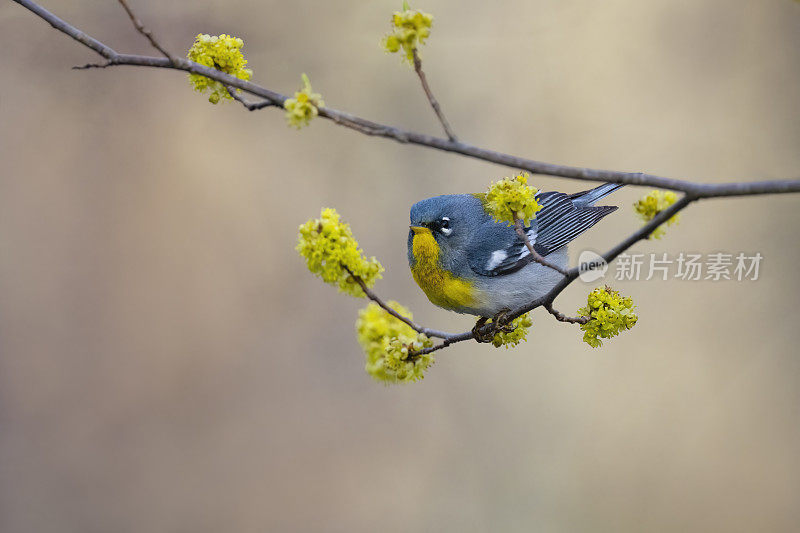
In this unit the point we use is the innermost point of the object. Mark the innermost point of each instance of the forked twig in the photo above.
(144, 31)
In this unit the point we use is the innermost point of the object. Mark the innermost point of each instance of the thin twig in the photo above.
(377, 299)
(93, 65)
(444, 344)
(368, 127)
(432, 99)
(251, 106)
(144, 31)
(561, 317)
(534, 254)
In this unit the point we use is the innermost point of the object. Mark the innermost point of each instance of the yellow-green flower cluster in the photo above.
(512, 338)
(330, 251)
(221, 52)
(410, 28)
(512, 198)
(304, 106)
(654, 203)
(609, 314)
(391, 346)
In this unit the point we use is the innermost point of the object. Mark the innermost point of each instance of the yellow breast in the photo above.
(441, 287)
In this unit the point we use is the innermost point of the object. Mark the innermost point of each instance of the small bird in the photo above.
(466, 262)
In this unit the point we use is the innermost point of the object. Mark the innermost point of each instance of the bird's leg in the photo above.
(498, 324)
(478, 334)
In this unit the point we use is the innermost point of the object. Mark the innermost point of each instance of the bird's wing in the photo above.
(562, 220)
(496, 249)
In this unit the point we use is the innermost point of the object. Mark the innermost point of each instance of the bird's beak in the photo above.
(418, 229)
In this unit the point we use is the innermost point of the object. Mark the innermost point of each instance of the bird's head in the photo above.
(442, 225)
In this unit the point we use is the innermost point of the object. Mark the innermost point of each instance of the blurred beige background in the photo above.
(168, 364)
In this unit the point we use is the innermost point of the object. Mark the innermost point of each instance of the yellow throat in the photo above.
(441, 287)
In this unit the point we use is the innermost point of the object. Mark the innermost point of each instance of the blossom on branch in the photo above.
(304, 106)
(512, 338)
(410, 29)
(332, 253)
(221, 52)
(651, 205)
(609, 314)
(391, 346)
(512, 198)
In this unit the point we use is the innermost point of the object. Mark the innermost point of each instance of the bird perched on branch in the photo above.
(467, 262)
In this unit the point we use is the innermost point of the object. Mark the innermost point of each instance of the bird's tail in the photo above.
(586, 198)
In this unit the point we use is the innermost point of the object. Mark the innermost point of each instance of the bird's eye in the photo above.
(444, 226)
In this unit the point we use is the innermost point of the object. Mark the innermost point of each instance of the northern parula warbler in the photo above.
(466, 262)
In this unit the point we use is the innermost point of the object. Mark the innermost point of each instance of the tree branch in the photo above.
(368, 127)
(692, 191)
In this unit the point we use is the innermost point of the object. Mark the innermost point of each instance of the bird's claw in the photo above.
(479, 334)
(498, 325)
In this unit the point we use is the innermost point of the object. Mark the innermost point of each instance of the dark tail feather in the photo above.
(585, 198)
